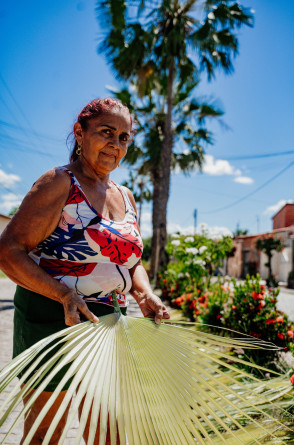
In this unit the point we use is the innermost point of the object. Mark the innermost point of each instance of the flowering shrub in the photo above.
(193, 260)
(252, 310)
(247, 307)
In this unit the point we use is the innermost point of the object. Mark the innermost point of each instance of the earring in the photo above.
(79, 150)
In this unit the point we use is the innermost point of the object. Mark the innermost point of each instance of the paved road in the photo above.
(6, 320)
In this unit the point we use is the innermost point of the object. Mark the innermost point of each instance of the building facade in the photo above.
(248, 260)
(4, 220)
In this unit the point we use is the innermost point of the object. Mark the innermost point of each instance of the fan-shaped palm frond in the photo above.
(167, 384)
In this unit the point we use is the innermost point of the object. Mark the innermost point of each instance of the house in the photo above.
(248, 260)
(4, 220)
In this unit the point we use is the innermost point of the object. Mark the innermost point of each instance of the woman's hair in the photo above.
(93, 110)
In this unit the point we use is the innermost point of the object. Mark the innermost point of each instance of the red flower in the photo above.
(218, 316)
(234, 307)
(291, 334)
(179, 300)
(292, 379)
(280, 320)
(257, 296)
(273, 301)
(201, 299)
(270, 321)
(262, 286)
(164, 280)
(255, 334)
(198, 291)
(281, 336)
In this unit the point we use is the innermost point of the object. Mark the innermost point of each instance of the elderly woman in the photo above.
(74, 240)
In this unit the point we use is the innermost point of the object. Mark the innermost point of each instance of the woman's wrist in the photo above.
(141, 295)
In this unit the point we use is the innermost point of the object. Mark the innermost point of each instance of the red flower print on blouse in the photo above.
(116, 246)
(64, 268)
(75, 195)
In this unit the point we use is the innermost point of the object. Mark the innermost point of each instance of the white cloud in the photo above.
(276, 207)
(146, 217)
(8, 179)
(9, 201)
(212, 232)
(146, 224)
(218, 167)
(243, 179)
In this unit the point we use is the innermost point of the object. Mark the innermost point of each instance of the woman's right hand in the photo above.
(73, 305)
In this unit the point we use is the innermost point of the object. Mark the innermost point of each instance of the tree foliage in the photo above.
(161, 48)
(268, 245)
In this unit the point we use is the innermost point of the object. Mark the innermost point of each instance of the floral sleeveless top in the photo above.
(90, 253)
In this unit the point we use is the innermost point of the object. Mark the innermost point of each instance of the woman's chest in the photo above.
(110, 203)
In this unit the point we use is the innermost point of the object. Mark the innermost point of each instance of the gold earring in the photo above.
(79, 150)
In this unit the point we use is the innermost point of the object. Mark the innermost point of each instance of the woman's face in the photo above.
(104, 143)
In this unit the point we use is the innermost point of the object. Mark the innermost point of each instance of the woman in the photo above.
(74, 240)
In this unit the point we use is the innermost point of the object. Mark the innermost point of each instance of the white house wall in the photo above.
(281, 263)
(3, 223)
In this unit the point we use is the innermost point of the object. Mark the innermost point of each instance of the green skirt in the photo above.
(37, 317)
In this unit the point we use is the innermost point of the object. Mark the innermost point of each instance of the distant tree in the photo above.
(13, 211)
(269, 245)
(240, 232)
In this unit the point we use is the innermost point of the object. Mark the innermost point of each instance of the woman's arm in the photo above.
(150, 304)
(35, 220)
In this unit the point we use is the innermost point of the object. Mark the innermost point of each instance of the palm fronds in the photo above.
(167, 384)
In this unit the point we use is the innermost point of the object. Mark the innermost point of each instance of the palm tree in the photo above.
(149, 43)
(268, 245)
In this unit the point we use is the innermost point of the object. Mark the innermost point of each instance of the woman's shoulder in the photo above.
(55, 181)
(57, 175)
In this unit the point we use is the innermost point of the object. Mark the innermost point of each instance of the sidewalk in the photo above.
(6, 331)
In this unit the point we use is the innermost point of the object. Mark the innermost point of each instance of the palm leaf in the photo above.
(167, 384)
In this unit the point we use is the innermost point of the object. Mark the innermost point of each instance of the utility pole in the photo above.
(195, 220)
(257, 222)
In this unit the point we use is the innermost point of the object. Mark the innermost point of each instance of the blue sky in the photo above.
(50, 69)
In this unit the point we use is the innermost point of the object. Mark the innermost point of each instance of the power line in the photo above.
(40, 135)
(253, 192)
(263, 155)
(17, 105)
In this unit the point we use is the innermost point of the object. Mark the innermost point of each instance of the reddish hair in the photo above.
(93, 110)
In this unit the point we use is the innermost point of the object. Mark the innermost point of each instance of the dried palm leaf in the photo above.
(167, 384)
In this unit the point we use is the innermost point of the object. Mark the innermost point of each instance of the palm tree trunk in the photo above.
(270, 266)
(161, 185)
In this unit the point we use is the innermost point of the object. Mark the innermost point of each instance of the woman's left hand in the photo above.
(152, 306)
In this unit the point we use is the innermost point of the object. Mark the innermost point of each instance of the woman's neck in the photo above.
(87, 170)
